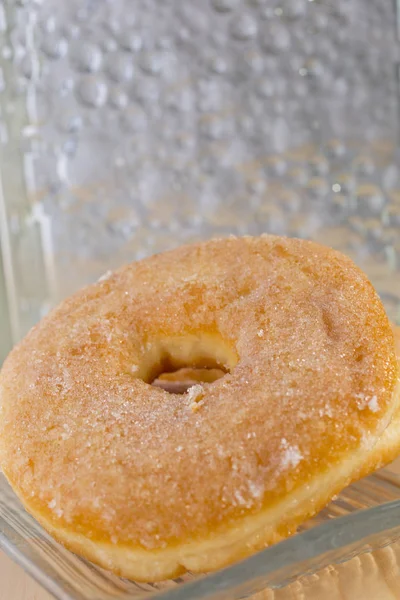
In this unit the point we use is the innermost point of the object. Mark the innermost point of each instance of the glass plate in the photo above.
(363, 518)
(128, 127)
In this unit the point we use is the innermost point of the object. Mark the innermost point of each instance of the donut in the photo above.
(181, 380)
(150, 484)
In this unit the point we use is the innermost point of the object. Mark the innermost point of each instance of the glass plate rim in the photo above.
(318, 542)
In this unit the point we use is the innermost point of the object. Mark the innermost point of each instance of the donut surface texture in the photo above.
(150, 484)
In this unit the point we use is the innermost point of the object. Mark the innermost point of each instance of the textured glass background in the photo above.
(131, 126)
(128, 127)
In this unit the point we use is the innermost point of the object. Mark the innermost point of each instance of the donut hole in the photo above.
(178, 382)
(177, 363)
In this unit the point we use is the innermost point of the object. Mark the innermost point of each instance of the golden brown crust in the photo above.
(96, 453)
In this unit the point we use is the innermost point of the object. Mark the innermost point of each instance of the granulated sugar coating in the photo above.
(96, 452)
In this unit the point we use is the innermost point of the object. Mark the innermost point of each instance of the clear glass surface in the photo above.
(362, 519)
(128, 127)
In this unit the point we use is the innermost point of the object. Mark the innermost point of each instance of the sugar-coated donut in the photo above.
(150, 484)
